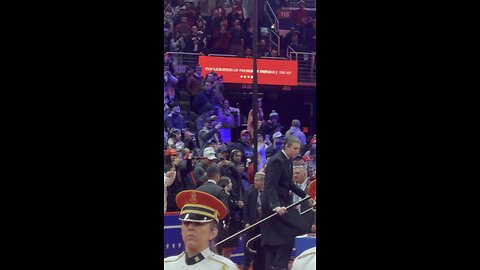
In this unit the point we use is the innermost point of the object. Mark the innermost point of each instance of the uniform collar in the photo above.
(198, 258)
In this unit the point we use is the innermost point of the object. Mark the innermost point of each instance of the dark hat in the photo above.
(222, 148)
(174, 130)
(198, 206)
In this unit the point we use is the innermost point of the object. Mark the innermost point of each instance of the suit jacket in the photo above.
(250, 213)
(214, 190)
(280, 230)
(308, 217)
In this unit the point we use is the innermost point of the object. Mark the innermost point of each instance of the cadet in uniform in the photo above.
(200, 214)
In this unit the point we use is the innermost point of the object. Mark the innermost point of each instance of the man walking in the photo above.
(278, 233)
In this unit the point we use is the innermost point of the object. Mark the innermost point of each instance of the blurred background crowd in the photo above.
(205, 138)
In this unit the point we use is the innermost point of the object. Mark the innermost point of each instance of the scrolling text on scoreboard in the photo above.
(240, 70)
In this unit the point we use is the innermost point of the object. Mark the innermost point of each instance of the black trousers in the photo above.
(277, 257)
(258, 259)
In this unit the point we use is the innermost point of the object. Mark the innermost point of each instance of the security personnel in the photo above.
(200, 214)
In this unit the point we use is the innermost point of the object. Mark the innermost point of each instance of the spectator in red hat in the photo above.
(243, 144)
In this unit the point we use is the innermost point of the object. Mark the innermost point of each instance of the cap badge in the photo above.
(193, 198)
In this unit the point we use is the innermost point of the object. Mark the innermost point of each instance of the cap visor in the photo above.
(195, 218)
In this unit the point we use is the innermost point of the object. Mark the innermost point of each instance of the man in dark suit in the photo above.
(252, 214)
(278, 233)
(211, 185)
(301, 180)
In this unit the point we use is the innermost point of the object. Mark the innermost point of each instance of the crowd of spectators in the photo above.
(205, 27)
(198, 139)
(199, 122)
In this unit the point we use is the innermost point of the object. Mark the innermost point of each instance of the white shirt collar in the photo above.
(285, 154)
(210, 180)
(304, 184)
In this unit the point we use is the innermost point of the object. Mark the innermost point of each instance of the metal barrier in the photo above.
(184, 59)
(277, 44)
(276, 25)
(223, 55)
(289, 49)
(274, 58)
(307, 68)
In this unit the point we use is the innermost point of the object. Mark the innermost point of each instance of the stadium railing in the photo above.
(306, 62)
(184, 58)
(274, 36)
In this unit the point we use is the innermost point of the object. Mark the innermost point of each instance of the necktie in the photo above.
(297, 198)
(259, 205)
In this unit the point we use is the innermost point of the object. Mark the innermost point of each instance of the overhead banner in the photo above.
(240, 70)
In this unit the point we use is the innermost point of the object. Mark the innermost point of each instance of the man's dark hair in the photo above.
(212, 171)
(290, 140)
(224, 180)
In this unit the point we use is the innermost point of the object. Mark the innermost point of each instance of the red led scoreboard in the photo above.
(240, 70)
